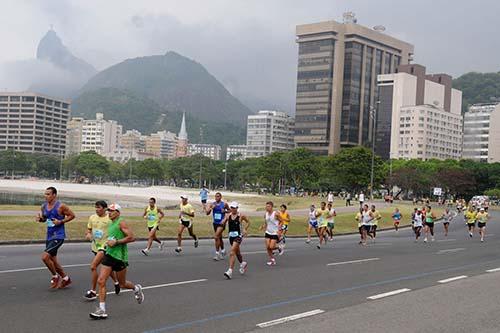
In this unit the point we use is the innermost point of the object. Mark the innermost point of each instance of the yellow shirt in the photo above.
(358, 218)
(323, 216)
(99, 226)
(376, 217)
(285, 218)
(187, 208)
(482, 217)
(470, 216)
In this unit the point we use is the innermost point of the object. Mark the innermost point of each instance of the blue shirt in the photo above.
(54, 231)
(218, 212)
(204, 194)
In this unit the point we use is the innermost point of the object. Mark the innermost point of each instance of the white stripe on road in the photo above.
(446, 240)
(453, 279)
(352, 261)
(162, 285)
(260, 252)
(451, 250)
(390, 293)
(290, 318)
(493, 270)
(39, 268)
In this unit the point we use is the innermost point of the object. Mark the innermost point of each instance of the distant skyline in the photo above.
(248, 45)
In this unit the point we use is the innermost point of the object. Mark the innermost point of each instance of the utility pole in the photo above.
(225, 174)
(373, 115)
(201, 155)
(61, 166)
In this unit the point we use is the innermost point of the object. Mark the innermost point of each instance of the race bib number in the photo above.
(218, 216)
(234, 234)
(98, 234)
(151, 217)
(50, 223)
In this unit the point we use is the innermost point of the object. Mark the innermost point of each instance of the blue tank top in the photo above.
(54, 231)
(218, 212)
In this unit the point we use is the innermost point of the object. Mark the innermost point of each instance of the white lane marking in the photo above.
(162, 285)
(450, 250)
(390, 293)
(446, 240)
(352, 261)
(380, 244)
(39, 268)
(290, 318)
(260, 252)
(453, 279)
(493, 270)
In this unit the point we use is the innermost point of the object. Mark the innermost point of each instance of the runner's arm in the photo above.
(39, 216)
(247, 224)
(145, 213)
(129, 236)
(263, 226)
(161, 213)
(68, 215)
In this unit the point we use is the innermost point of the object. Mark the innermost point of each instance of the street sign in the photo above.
(438, 191)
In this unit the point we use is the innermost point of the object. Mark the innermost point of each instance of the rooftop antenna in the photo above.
(349, 17)
(379, 28)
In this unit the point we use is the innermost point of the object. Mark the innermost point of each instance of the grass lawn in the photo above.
(24, 227)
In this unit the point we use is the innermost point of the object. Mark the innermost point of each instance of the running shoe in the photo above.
(54, 282)
(65, 283)
(117, 288)
(98, 314)
(432, 239)
(425, 240)
(90, 295)
(281, 249)
(318, 246)
(145, 252)
(271, 262)
(228, 274)
(308, 241)
(178, 250)
(222, 253)
(482, 240)
(161, 246)
(470, 234)
(243, 267)
(217, 256)
(196, 243)
(139, 295)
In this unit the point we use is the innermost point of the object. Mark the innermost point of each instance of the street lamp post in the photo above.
(225, 175)
(373, 115)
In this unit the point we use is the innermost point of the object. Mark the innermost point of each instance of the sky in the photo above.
(249, 45)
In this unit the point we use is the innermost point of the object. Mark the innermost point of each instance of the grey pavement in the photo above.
(188, 293)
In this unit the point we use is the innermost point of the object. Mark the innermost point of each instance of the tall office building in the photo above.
(236, 152)
(33, 123)
(482, 133)
(100, 135)
(268, 132)
(162, 144)
(74, 136)
(208, 150)
(338, 64)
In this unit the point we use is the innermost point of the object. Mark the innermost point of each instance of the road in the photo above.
(188, 293)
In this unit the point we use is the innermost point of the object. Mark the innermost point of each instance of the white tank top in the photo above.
(272, 224)
(366, 218)
(312, 216)
(418, 220)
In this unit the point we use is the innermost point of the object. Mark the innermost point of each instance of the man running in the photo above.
(97, 232)
(203, 196)
(186, 216)
(359, 219)
(330, 220)
(153, 215)
(116, 259)
(418, 222)
(285, 217)
(234, 220)
(429, 223)
(447, 218)
(312, 223)
(55, 214)
(470, 219)
(361, 198)
(396, 218)
(322, 216)
(374, 224)
(219, 209)
(482, 217)
(367, 220)
(273, 227)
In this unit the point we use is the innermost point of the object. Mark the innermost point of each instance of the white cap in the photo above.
(184, 196)
(233, 204)
(115, 206)
(482, 208)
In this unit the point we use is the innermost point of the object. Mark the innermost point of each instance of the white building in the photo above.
(482, 133)
(237, 152)
(162, 144)
(74, 136)
(33, 123)
(431, 124)
(268, 132)
(101, 136)
(207, 150)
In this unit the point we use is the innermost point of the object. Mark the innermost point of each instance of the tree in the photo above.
(92, 165)
(150, 169)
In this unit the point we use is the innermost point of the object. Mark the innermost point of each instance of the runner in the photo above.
(429, 223)
(153, 215)
(285, 217)
(482, 217)
(447, 218)
(359, 219)
(361, 198)
(470, 219)
(331, 220)
(330, 197)
(418, 222)
(396, 217)
(116, 259)
(97, 232)
(234, 220)
(374, 224)
(322, 215)
(203, 196)
(219, 209)
(185, 221)
(415, 210)
(273, 226)
(367, 220)
(55, 214)
(312, 223)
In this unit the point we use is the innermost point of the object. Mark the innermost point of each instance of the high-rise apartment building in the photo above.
(100, 135)
(207, 150)
(74, 136)
(268, 132)
(133, 140)
(162, 144)
(238, 152)
(482, 133)
(338, 64)
(33, 123)
(419, 115)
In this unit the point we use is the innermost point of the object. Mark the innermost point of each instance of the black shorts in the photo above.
(151, 228)
(368, 228)
(187, 224)
(446, 223)
(237, 239)
(275, 237)
(204, 201)
(101, 250)
(374, 227)
(429, 224)
(115, 264)
(217, 226)
(52, 246)
(481, 225)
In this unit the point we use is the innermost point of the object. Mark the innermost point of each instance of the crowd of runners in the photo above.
(109, 235)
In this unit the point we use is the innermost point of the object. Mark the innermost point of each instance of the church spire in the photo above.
(183, 133)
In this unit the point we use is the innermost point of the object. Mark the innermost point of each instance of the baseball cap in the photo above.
(184, 196)
(233, 204)
(482, 209)
(115, 206)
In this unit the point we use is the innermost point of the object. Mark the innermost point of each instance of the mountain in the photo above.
(478, 88)
(138, 112)
(176, 83)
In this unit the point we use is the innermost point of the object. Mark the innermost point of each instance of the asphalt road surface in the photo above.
(343, 287)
